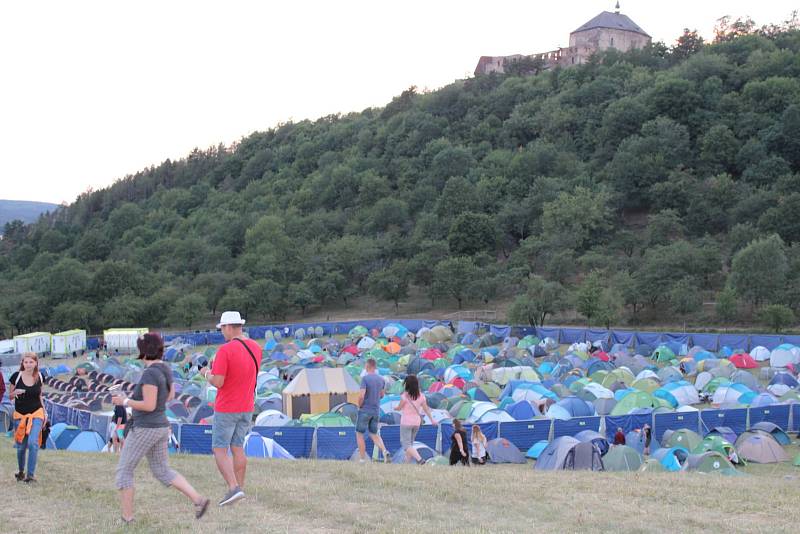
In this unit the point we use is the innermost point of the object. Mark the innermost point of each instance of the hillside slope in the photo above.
(24, 210)
(637, 187)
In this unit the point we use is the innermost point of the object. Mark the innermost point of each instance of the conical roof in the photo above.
(614, 21)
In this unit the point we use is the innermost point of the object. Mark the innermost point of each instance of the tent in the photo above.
(272, 418)
(555, 454)
(773, 430)
(710, 462)
(724, 432)
(761, 449)
(682, 437)
(584, 456)
(743, 361)
(622, 458)
(502, 451)
(86, 441)
(536, 449)
(599, 440)
(425, 452)
(63, 438)
(759, 353)
(318, 390)
(673, 458)
(257, 446)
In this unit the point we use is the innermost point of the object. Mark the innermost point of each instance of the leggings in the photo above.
(141, 442)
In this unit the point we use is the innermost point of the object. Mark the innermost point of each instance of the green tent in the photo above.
(652, 465)
(713, 384)
(528, 341)
(711, 462)
(633, 400)
(325, 419)
(716, 444)
(663, 354)
(683, 437)
(618, 375)
(492, 390)
(579, 384)
(358, 331)
(622, 458)
(599, 376)
(648, 385)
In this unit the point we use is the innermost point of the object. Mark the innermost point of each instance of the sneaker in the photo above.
(200, 509)
(232, 496)
(29, 479)
(362, 461)
(20, 476)
(387, 458)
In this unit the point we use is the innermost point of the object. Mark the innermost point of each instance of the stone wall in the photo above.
(583, 44)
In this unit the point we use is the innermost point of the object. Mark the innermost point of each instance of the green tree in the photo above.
(777, 317)
(472, 233)
(727, 305)
(235, 299)
(541, 299)
(578, 219)
(390, 283)
(69, 315)
(685, 297)
(93, 245)
(268, 298)
(452, 276)
(589, 294)
(65, 281)
(688, 44)
(758, 271)
(187, 310)
(301, 296)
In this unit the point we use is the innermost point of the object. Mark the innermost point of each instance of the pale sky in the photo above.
(92, 91)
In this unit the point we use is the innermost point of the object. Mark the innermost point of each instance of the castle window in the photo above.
(612, 41)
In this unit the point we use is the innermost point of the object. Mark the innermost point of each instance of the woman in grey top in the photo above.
(149, 430)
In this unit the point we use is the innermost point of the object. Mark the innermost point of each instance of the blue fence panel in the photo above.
(769, 342)
(623, 338)
(93, 343)
(648, 338)
(735, 419)
(489, 430)
(500, 331)
(524, 434)
(428, 434)
(674, 421)
(683, 339)
(72, 416)
(598, 335)
(626, 423)
(297, 440)
(554, 333)
(777, 413)
(735, 341)
(335, 443)
(467, 327)
(99, 423)
(60, 413)
(196, 439)
(794, 340)
(794, 421)
(84, 420)
(709, 342)
(573, 335)
(570, 427)
(390, 434)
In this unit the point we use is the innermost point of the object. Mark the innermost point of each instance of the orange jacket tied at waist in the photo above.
(25, 424)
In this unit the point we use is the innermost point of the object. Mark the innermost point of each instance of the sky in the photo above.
(93, 90)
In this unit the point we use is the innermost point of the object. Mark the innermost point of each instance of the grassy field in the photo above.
(75, 493)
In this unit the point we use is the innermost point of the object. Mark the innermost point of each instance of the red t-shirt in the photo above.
(235, 364)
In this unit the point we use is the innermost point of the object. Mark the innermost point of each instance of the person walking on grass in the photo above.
(369, 411)
(458, 445)
(234, 373)
(149, 430)
(648, 437)
(25, 388)
(412, 405)
(118, 421)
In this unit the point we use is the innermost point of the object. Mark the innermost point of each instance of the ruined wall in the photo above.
(583, 44)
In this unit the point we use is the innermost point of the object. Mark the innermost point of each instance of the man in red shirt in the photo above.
(233, 373)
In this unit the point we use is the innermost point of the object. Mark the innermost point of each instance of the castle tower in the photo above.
(606, 30)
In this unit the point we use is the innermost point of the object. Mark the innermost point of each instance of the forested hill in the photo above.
(630, 189)
(23, 210)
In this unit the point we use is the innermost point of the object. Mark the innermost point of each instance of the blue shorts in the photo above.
(230, 429)
(367, 421)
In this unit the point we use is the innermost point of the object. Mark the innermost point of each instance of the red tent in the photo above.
(432, 354)
(352, 349)
(744, 361)
(458, 382)
(600, 355)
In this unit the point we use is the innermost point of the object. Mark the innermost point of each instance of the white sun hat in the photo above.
(230, 317)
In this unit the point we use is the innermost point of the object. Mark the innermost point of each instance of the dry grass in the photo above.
(75, 493)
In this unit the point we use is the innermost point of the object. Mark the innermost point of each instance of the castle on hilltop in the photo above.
(606, 30)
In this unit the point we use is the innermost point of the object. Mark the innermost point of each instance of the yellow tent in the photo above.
(318, 390)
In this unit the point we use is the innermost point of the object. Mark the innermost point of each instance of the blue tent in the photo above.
(570, 407)
(502, 451)
(537, 448)
(522, 410)
(673, 458)
(596, 438)
(65, 437)
(86, 441)
(554, 455)
(785, 379)
(257, 446)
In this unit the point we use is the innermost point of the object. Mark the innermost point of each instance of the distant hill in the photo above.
(25, 210)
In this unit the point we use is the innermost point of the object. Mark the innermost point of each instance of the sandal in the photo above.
(200, 509)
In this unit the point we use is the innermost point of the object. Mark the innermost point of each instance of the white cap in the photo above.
(230, 317)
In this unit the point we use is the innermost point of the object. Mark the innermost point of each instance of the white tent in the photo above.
(69, 341)
(781, 357)
(760, 354)
(123, 339)
(38, 342)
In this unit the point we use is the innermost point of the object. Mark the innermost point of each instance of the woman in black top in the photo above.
(458, 444)
(149, 430)
(29, 414)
